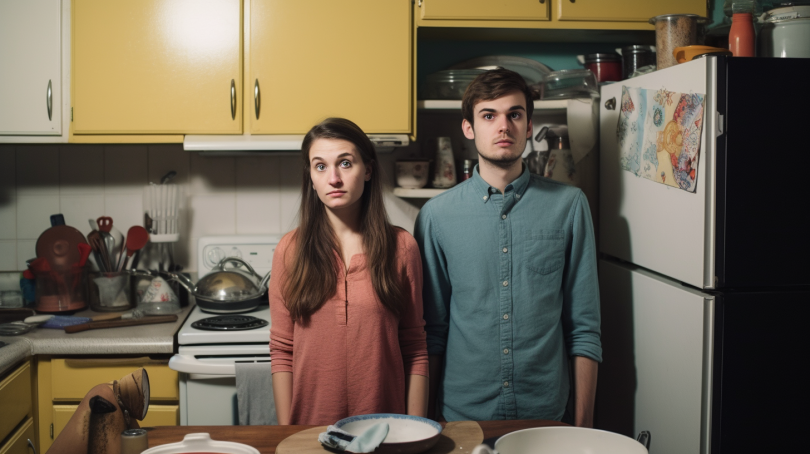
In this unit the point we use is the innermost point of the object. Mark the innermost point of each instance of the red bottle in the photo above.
(741, 35)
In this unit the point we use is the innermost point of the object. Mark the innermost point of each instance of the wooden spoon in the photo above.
(137, 237)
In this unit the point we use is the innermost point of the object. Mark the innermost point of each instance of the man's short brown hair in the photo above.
(491, 85)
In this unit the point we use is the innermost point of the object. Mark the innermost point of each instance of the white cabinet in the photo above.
(31, 73)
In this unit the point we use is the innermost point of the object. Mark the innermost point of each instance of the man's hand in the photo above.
(585, 370)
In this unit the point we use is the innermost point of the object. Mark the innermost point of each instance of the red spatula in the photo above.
(137, 237)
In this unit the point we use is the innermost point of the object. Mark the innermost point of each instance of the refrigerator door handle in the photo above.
(719, 123)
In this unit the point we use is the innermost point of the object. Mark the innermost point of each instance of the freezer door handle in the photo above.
(191, 365)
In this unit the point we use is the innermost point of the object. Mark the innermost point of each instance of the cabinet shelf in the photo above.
(424, 193)
(451, 104)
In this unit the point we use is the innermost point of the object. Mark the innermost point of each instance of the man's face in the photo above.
(501, 129)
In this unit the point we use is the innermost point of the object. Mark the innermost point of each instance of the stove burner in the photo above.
(229, 323)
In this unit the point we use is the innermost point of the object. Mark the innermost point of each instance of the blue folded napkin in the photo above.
(341, 440)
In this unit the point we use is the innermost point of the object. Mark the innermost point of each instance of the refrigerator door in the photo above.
(761, 191)
(650, 224)
(656, 374)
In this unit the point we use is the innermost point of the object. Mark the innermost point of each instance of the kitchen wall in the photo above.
(223, 195)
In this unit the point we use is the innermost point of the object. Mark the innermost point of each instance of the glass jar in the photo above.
(635, 57)
(671, 31)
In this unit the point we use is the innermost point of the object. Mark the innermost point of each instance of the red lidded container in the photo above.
(606, 67)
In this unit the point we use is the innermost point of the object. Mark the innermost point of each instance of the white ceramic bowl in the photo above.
(412, 174)
(406, 434)
(570, 440)
(199, 443)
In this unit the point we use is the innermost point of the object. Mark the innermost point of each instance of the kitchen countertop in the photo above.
(142, 339)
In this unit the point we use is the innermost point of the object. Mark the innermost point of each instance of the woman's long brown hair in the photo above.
(311, 278)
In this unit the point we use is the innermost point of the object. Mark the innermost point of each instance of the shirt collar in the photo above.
(484, 190)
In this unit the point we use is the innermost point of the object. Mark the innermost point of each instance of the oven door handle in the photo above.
(191, 365)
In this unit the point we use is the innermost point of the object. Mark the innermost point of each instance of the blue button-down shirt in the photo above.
(510, 293)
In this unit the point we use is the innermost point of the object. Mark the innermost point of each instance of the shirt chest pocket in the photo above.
(545, 253)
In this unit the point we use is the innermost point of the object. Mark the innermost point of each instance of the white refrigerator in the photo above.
(706, 293)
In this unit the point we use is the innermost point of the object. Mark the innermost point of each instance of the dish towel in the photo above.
(343, 441)
(254, 394)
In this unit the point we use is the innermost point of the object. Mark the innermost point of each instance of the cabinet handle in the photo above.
(49, 101)
(610, 104)
(257, 98)
(420, 4)
(233, 99)
(542, 1)
(31, 445)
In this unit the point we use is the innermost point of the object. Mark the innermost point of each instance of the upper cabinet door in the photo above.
(625, 10)
(322, 58)
(522, 10)
(30, 68)
(157, 66)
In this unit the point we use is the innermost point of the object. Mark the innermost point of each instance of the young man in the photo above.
(510, 289)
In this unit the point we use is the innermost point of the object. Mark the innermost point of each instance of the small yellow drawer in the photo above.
(15, 399)
(158, 415)
(72, 378)
(18, 442)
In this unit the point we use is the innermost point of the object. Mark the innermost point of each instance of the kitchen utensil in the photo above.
(606, 67)
(136, 239)
(119, 323)
(110, 246)
(100, 251)
(58, 245)
(223, 290)
(93, 224)
(59, 290)
(570, 83)
(412, 173)
(689, 53)
(201, 443)
(671, 31)
(573, 440)
(448, 84)
(786, 32)
(105, 223)
(110, 291)
(406, 434)
(635, 57)
(532, 71)
(62, 321)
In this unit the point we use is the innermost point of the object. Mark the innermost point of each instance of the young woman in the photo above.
(347, 335)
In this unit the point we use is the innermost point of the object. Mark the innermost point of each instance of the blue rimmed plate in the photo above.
(406, 434)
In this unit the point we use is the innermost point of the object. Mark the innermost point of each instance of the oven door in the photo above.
(208, 381)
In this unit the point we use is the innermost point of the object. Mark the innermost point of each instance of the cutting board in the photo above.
(457, 437)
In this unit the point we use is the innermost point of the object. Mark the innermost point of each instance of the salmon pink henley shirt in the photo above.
(352, 355)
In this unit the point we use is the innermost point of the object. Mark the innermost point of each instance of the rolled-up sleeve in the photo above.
(282, 329)
(581, 317)
(412, 323)
(437, 288)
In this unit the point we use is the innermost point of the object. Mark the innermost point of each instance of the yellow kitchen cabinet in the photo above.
(624, 10)
(156, 67)
(317, 59)
(558, 14)
(21, 440)
(158, 415)
(523, 10)
(16, 405)
(63, 382)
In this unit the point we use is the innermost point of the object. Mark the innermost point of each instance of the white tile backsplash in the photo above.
(125, 169)
(34, 214)
(8, 255)
(37, 169)
(81, 169)
(221, 195)
(78, 209)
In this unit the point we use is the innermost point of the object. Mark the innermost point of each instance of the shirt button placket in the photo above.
(508, 403)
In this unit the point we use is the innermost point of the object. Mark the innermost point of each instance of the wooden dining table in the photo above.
(266, 438)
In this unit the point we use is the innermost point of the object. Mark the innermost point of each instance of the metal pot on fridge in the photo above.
(226, 289)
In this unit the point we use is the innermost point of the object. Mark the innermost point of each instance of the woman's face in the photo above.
(338, 173)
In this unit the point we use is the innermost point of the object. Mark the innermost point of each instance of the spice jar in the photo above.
(606, 67)
(741, 35)
(635, 57)
(671, 31)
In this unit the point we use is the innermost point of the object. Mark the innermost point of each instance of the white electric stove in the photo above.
(209, 345)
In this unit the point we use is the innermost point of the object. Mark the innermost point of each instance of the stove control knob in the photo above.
(214, 255)
(235, 252)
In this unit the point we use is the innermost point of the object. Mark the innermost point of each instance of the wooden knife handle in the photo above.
(148, 320)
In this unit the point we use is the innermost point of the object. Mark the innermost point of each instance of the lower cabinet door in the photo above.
(158, 415)
(19, 441)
